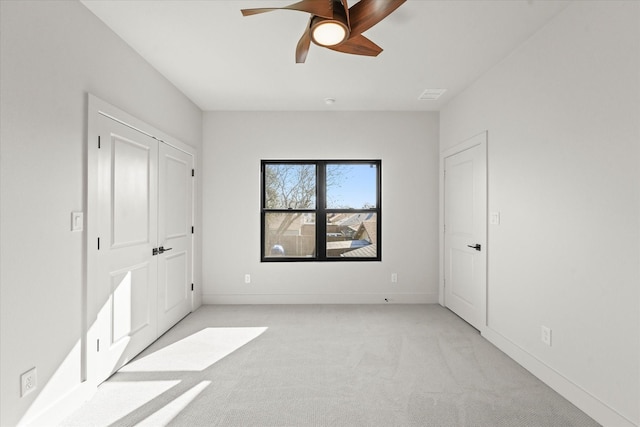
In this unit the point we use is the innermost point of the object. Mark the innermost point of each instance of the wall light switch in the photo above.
(494, 218)
(77, 221)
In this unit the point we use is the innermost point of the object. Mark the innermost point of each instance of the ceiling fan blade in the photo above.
(358, 45)
(346, 12)
(323, 8)
(303, 45)
(367, 13)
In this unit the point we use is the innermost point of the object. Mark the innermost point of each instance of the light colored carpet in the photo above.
(325, 365)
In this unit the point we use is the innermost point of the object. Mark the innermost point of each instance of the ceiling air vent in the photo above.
(431, 94)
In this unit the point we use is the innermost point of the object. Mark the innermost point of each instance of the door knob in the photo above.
(162, 249)
(477, 247)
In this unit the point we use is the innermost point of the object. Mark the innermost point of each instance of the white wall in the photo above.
(563, 116)
(234, 144)
(53, 54)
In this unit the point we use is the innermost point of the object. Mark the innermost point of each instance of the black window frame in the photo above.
(321, 211)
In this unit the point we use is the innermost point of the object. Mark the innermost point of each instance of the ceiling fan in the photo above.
(336, 26)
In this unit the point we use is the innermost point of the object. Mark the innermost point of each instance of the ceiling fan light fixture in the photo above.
(329, 33)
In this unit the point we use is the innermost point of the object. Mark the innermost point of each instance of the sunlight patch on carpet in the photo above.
(197, 351)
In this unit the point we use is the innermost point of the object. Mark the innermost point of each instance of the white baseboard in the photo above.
(421, 298)
(589, 404)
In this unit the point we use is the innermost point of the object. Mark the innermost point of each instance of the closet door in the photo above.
(174, 236)
(126, 287)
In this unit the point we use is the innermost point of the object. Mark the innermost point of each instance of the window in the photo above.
(321, 210)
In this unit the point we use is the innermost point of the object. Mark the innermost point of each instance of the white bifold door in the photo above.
(144, 267)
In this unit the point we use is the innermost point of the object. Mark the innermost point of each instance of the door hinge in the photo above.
(192, 286)
(193, 172)
(192, 229)
(98, 142)
(98, 345)
(98, 243)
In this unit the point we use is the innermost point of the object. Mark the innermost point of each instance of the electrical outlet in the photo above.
(28, 382)
(394, 277)
(545, 335)
(247, 278)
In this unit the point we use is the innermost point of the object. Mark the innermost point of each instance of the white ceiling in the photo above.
(224, 61)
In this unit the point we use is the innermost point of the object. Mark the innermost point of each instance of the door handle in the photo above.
(162, 249)
(477, 247)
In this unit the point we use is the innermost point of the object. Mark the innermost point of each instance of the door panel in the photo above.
(461, 275)
(174, 232)
(465, 227)
(130, 286)
(176, 271)
(127, 227)
(130, 185)
(460, 200)
(177, 178)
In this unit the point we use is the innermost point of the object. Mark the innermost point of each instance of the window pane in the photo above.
(351, 186)
(292, 235)
(352, 235)
(290, 186)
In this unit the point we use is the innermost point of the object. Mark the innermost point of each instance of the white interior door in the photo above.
(140, 199)
(465, 212)
(175, 219)
(126, 288)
